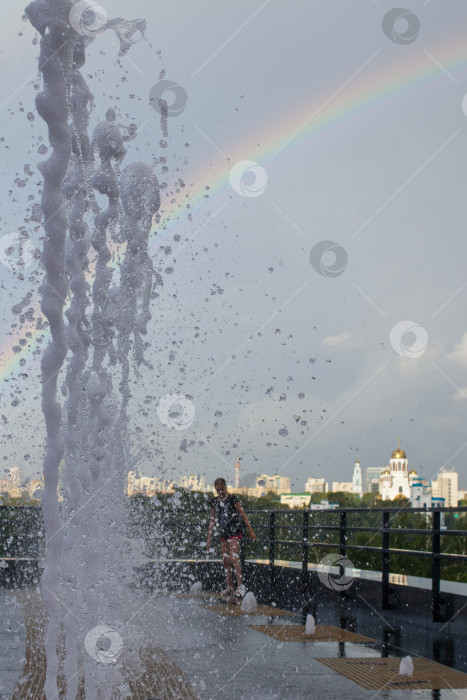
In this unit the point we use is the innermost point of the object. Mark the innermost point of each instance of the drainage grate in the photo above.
(296, 633)
(379, 674)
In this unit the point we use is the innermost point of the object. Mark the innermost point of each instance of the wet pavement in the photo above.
(221, 656)
(229, 659)
(12, 642)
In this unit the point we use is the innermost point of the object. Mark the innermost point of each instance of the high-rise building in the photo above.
(446, 486)
(371, 482)
(277, 484)
(261, 484)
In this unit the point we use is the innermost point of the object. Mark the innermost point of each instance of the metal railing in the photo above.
(20, 530)
(434, 531)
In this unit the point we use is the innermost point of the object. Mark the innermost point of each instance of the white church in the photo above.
(396, 479)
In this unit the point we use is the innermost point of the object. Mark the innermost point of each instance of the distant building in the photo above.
(323, 505)
(357, 478)
(296, 500)
(302, 500)
(314, 485)
(345, 486)
(15, 476)
(278, 484)
(193, 483)
(421, 495)
(371, 482)
(35, 488)
(142, 484)
(446, 486)
(262, 484)
(396, 479)
(354, 486)
(151, 485)
(10, 485)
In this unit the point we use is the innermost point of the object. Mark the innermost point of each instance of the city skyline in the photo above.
(282, 350)
(445, 489)
(182, 478)
(362, 481)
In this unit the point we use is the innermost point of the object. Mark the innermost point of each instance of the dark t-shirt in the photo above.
(228, 519)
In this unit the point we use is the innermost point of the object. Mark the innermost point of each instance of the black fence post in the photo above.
(343, 533)
(306, 521)
(272, 548)
(436, 566)
(385, 562)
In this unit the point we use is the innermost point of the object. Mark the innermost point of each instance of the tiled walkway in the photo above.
(193, 652)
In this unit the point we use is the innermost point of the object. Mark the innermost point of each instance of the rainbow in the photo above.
(367, 87)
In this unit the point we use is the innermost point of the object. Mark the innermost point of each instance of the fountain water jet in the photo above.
(80, 586)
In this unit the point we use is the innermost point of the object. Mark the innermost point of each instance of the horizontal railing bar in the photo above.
(336, 511)
(368, 548)
(395, 530)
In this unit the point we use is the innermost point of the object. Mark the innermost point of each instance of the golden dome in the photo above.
(398, 454)
(412, 471)
(385, 471)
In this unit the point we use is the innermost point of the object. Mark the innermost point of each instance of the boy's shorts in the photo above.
(231, 537)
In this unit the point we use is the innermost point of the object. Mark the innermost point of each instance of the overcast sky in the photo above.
(291, 357)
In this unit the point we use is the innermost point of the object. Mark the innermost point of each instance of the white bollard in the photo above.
(249, 604)
(406, 666)
(310, 626)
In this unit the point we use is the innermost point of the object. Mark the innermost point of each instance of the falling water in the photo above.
(86, 555)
